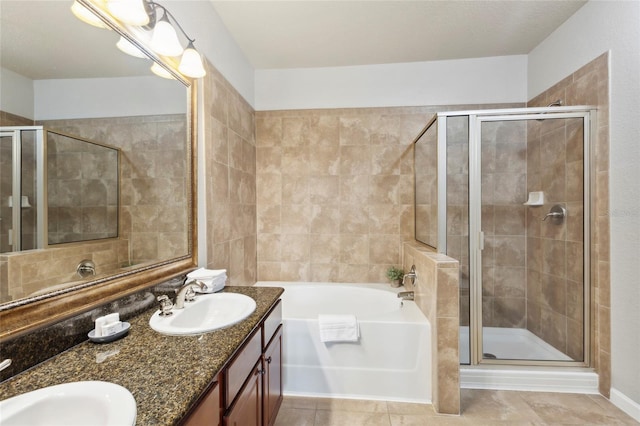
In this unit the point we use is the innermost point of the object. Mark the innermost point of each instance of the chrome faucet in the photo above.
(4, 364)
(412, 275)
(186, 293)
(406, 295)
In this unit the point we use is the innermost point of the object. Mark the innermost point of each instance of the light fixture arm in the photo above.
(153, 18)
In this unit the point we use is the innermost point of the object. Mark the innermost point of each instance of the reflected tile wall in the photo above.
(589, 85)
(153, 172)
(27, 273)
(230, 170)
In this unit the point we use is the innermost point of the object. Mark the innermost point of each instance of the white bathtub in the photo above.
(391, 361)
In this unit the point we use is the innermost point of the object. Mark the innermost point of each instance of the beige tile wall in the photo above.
(504, 178)
(230, 157)
(153, 172)
(82, 190)
(28, 273)
(555, 249)
(590, 86)
(335, 192)
(437, 294)
(153, 214)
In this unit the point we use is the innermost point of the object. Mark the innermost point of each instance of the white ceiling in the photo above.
(320, 33)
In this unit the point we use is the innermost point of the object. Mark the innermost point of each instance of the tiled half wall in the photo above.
(436, 293)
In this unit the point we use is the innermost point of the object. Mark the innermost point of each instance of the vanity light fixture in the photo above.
(86, 16)
(191, 62)
(164, 37)
(125, 46)
(130, 12)
(161, 72)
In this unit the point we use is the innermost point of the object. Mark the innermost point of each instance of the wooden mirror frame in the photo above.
(32, 314)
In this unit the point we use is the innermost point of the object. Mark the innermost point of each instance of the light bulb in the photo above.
(161, 72)
(129, 11)
(87, 16)
(164, 39)
(127, 47)
(191, 63)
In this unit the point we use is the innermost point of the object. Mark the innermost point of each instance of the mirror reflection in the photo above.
(62, 74)
(81, 180)
(82, 189)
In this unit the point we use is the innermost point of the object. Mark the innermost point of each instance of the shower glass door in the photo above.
(21, 162)
(528, 229)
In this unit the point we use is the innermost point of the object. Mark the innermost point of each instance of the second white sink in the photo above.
(207, 313)
(71, 404)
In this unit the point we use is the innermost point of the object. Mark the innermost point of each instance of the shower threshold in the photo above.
(517, 343)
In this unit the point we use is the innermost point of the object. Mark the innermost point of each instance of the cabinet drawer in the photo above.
(241, 366)
(271, 323)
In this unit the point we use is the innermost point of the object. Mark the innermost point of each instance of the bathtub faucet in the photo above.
(405, 295)
(412, 275)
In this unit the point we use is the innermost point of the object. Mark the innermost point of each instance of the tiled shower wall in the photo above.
(230, 157)
(590, 86)
(504, 181)
(335, 192)
(555, 248)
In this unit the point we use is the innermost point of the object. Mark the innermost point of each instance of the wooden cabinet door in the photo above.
(247, 410)
(273, 378)
(207, 413)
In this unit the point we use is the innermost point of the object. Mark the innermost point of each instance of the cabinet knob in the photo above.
(269, 360)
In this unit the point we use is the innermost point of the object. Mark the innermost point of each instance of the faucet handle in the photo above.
(165, 305)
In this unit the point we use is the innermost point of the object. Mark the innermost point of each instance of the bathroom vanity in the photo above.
(229, 376)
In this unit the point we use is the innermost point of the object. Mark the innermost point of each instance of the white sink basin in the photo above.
(71, 404)
(207, 313)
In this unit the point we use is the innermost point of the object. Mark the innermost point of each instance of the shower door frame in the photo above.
(16, 151)
(476, 237)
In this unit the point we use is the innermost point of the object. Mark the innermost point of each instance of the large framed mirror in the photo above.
(68, 77)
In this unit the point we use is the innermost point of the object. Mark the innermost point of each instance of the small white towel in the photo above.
(203, 273)
(338, 328)
(213, 279)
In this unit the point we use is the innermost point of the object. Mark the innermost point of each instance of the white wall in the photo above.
(464, 81)
(108, 97)
(213, 40)
(597, 27)
(16, 94)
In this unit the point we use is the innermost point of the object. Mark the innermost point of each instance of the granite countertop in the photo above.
(165, 374)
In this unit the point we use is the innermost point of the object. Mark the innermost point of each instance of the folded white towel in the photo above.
(213, 279)
(204, 273)
(338, 328)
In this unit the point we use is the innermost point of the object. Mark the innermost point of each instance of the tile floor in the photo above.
(479, 407)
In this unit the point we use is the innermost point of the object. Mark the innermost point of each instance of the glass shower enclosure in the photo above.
(21, 167)
(510, 199)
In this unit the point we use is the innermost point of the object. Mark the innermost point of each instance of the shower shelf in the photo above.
(536, 198)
